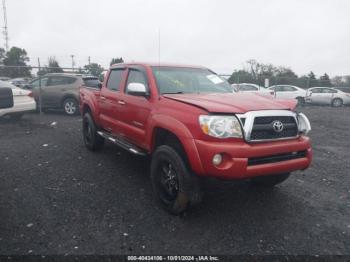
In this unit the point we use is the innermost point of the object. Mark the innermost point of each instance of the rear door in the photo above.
(134, 110)
(109, 99)
(328, 95)
(56, 88)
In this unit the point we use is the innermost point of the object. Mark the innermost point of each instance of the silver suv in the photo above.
(61, 90)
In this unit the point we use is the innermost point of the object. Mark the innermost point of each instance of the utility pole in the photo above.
(72, 56)
(5, 31)
(40, 90)
(89, 60)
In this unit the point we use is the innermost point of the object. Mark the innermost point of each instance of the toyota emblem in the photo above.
(277, 126)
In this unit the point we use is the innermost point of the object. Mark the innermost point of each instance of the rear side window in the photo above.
(91, 82)
(247, 88)
(60, 80)
(289, 88)
(114, 80)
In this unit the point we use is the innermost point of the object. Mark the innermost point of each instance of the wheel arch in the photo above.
(165, 127)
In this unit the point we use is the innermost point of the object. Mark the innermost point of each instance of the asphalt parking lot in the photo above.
(56, 197)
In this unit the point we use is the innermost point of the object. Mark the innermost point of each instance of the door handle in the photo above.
(121, 102)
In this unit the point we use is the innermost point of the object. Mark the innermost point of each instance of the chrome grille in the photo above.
(258, 125)
(263, 128)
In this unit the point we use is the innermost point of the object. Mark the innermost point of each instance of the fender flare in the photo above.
(181, 132)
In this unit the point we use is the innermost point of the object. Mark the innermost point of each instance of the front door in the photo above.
(134, 110)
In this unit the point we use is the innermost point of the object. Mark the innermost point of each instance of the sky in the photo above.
(222, 35)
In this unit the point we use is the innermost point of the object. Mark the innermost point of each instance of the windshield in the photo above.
(180, 80)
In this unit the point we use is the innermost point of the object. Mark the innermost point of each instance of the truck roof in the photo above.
(150, 64)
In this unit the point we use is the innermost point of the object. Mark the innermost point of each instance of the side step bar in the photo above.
(122, 143)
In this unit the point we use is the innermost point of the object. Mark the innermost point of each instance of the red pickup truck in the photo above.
(192, 124)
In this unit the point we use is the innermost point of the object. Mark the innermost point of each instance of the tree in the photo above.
(325, 80)
(116, 61)
(2, 57)
(54, 63)
(285, 72)
(241, 76)
(16, 57)
(311, 75)
(94, 69)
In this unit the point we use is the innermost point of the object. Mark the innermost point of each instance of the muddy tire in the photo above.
(92, 140)
(174, 186)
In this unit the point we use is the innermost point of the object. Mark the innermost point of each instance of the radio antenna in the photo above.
(158, 46)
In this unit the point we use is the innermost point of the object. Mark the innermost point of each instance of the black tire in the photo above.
(269, 181)
(337, 102)
(174, 186)
(70, 106)
(92, 140)
(301, 101)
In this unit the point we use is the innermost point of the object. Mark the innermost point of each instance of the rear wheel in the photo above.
(269, 181)
(174, 186)
(337, 102)
(92, 140)
(70, 106)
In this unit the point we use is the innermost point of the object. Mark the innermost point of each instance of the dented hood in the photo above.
(233, 102)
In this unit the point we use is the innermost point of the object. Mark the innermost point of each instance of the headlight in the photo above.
(220, 126)
(304, 125)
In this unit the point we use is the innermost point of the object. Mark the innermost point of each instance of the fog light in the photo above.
(217, 159)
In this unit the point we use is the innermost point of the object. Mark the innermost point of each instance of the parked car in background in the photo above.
(327, 96)
(4, 78)
(252, 88)
(289, 92)
(23, 101)
(61, 90)
(343, 89)
(19, 82)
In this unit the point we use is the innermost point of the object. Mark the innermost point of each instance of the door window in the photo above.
(35, 83)
(60, 80)
(248, 88)
(114, 80)
(289, 88)
(135, 77)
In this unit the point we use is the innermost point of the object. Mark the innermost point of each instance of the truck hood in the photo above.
(233, 102)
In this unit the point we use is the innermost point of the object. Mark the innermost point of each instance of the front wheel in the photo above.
(92, 140)
(70, 106)
(269, 181)
(174, 186)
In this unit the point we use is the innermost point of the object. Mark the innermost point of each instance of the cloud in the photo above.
(304, 35)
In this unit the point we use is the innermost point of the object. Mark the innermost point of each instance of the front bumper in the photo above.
(242, 160)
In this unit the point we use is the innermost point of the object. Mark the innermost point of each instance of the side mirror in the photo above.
(6, 97)
(137, 89)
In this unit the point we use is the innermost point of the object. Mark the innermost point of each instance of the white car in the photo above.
(289, 92)
(252, 88)
(327, 96)
(23, 102)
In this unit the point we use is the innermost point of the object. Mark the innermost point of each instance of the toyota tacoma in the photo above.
(191, 124)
